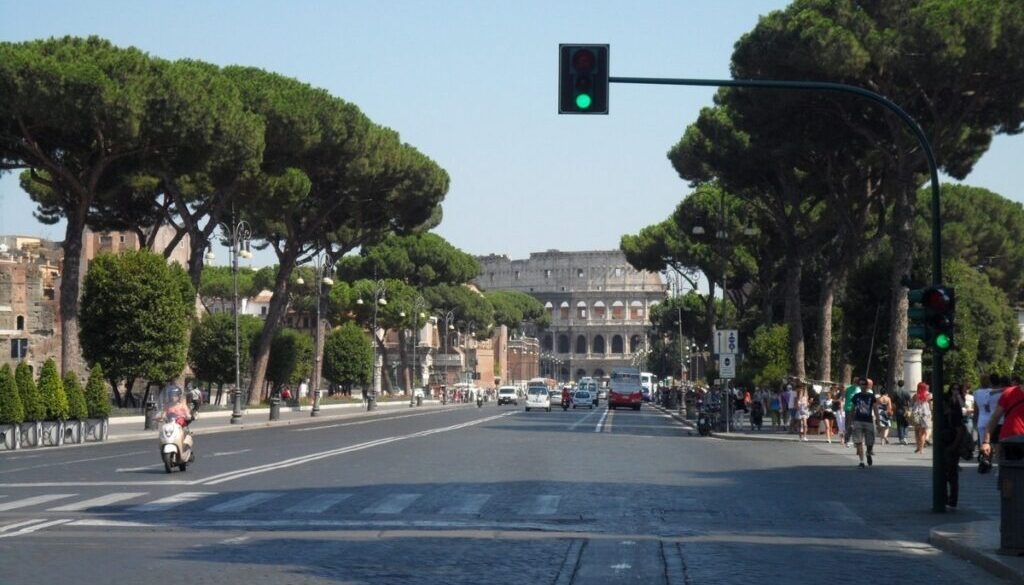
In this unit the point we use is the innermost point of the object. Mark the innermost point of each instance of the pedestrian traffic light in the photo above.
(582, 79)
(940, 309)
(916, 315)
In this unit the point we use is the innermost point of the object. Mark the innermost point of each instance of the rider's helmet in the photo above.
(172, 393)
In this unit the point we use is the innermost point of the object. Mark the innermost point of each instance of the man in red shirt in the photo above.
(1010, 406)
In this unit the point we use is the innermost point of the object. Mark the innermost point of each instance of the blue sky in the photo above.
(473, 85)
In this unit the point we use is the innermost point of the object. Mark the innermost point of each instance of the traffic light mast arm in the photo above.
(938, 451)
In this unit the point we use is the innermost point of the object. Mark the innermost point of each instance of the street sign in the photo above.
(727, 366)
(727, 341)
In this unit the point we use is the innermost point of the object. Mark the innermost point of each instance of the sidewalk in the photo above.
(976, 541)
(131, 428)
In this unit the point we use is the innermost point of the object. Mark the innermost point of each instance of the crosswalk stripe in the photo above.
(97, 502)
(170, 502)
(542, 505)
(393, 504)
(318, 503)
(243, 503)
(468, 504)
(32, 501)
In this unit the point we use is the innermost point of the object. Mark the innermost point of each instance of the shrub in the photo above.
(55, 401)
(11, 411)
(96, 398)
(77, 409)
(31, 401)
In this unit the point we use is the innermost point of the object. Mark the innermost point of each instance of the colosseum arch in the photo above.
(617, 345)
(634, 344)
(598, 345)
(581, 344)
(563, 343)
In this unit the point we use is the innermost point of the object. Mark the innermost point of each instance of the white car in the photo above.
(583, 398)
(507, 395)
(537, 397)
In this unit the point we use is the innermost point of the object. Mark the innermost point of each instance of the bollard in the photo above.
(275, 408)
(419, 401)
(371, 401)
(150, 424)
(1011, 495)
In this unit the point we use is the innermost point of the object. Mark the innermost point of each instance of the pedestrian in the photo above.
(921, 415)
(862, 425)
(775, 409)
(1009, 409)
(828, 415)
(901, 404)
(885, 411)
(803, 410)
(955, 439)
(968, 412)
(195, 397)
(851, 390)
(304, 388)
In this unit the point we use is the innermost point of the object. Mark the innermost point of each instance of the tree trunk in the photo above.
(826, 299)
(318, 352)
(117, 393)
(403, 360)
(709, 311)
(276, 310)
(129, 398)
(70, 288)
(385, 380)
(793, 314)
(902, 264)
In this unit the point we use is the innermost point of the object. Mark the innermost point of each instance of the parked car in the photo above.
(583, 398)
(537, 397)
(624, 389)
(507, 395)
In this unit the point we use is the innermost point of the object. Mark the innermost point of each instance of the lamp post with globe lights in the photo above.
(380, 289)
(418, 304)
(237, 238)
(323, 266)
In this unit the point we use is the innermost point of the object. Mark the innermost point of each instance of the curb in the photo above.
(951, 539)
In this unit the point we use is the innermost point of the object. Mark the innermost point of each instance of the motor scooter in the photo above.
(479, 400)
(175, 442)
(566, 402)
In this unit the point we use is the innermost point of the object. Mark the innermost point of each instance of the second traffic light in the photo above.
(582, 79)
(931, 316)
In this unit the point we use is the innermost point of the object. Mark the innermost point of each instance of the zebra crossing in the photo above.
(359, 502)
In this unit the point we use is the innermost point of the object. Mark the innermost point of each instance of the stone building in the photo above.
(29, 292)
(599, 307)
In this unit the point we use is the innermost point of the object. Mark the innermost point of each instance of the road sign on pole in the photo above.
(727, 366)
(727, 341)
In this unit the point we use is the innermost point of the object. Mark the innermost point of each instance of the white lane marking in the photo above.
(318, 503)
(542, 505)
(393, 504)
(468, 504)
(244, 472)
(107, 523)
(62, 463)
(170, 502)
(141, 468)
(97, 502)
(244, 502)
(597, 429)
(621, 566)
(32, 501)
(66, 484)
(14, 525)
(363, 422)
(583, 420)
(226, 453)
(235, 540)
(35, 527)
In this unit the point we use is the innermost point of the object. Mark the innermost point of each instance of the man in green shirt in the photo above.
(851, 390)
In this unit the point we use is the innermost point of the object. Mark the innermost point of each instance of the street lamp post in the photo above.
(418, 304)
(237, 238)
(379, 291)
(323, 265)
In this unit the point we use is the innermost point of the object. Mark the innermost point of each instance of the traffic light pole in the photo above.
(939, 418)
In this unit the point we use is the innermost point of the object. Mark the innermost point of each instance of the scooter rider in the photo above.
(566, 396)
(175, 403)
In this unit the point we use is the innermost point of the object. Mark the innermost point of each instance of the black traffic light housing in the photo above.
(582, 79)
(932, 315)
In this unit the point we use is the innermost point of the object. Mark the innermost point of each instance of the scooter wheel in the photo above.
(182, 466)
(168, 461)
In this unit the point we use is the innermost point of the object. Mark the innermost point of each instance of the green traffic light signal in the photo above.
(942, 341)
(583, 101)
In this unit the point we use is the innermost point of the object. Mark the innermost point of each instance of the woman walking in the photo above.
(885, 411)
(921, 415)
(803, 411)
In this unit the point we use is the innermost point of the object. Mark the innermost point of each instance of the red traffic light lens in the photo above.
(583, 61)
(936, 299)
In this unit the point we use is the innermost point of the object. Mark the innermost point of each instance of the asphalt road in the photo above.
(468, 495)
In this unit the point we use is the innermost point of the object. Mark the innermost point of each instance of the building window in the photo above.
(564, 311)
(517, 275)
(618, 272)
(263, 311)
(618, 310)
(581, 310)
(636, 310)
(581, 344)
(617, 344)
(20, 323)
(547, 274)
(563, 344)
(122, 238)
(579, 273)
(598, 347)
(19, 349)
(548, 343)
(634, 344)
(599, 310)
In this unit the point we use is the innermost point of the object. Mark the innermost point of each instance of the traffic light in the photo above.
(582, 79)
(931, 316)
(940, 308)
